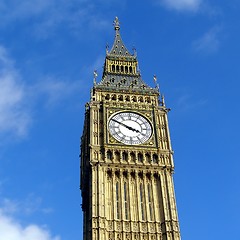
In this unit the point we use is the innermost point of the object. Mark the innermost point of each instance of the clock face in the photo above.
(130, 128)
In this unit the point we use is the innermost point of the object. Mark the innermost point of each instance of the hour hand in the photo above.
(133, 129)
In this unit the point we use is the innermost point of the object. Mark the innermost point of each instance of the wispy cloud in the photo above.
(209, 42)
(54, 91)
(182, 5)
(14, 114)
(30, 205)
(11, 229)
(17, 98)
(46, 16)
(96, 65)
(187, 103)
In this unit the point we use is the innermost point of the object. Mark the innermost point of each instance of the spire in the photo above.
(118, 48)
(121, 71)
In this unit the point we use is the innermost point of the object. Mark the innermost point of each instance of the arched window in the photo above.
(121, 68)
(155, 158)
(117, 156)
(140, 157)
(130, 69)
(109, 173)
(124, 156)
(148, 157)
(132, 157)
(150, 202)
(117, 68)
(125, 198)
(113, 68)
(148, 100)
(126, 69)
(117, 200)
(120, 97)
(109, 155)
(141, 195)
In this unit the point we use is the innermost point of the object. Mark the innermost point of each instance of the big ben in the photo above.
(126, 156)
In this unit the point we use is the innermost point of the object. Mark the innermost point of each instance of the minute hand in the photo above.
(126, 126)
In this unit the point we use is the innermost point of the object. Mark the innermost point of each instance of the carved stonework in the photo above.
(153, 237)
(144, 237)
(102, 223)
(118, 226)
(119, 236)
(127, 236)
(152, 227)
(135, 237)
(127, 226)
(94, 223)
(110, 236)
(110, 225)
(135, 227)
(144, 227)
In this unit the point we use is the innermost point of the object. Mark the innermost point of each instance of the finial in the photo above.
(95, 77)
(155, 81)
(116, 24)
(163, 100)
(107, 47)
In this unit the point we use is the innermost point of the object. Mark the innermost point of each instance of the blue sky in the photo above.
(48, 52)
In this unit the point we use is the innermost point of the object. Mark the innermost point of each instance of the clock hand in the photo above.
(116, 121)
(133, 129)
(126, 126)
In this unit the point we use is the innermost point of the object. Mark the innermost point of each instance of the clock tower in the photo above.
(126, 156)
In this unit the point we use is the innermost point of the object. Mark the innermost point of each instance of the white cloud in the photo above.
(17, 99)
(10, 226)
(182, 5)
(30, 205)
(14, 115)
(11, 229)
(55, 91)
(209, 42)
(45, 16)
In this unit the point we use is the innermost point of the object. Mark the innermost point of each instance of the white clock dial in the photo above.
(130, 128)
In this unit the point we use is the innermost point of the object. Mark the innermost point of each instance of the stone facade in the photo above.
(127, 189)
